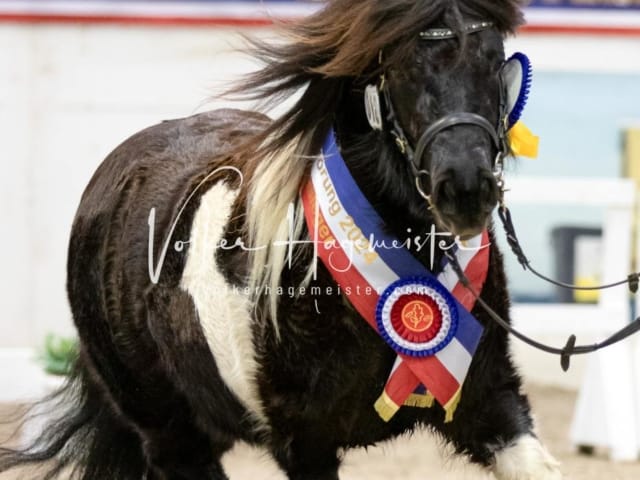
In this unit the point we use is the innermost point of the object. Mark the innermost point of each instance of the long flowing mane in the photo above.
(319, 56)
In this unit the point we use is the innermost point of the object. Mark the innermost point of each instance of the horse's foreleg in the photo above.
(182, 452)
(525, 458)
(145, 388)
(493, 426)
(205, 420)
(214, 472)
(173, 445)
(305, 456)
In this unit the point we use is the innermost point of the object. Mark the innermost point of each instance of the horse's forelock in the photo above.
(343, 40)
(345, 37)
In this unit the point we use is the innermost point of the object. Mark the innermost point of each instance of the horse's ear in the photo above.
(372, 106)
(516, 79)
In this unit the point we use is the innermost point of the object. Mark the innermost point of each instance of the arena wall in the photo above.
(69, 93)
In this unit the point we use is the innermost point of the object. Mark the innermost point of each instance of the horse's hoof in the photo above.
(526, 459)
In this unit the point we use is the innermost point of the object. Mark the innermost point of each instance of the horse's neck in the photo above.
(382, 174)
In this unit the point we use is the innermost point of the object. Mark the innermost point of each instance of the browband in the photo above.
(445, 33)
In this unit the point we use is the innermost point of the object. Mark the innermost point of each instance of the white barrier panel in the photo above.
(607, 411)
(636, 341)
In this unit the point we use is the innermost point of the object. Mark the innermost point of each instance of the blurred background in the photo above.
(79, 77)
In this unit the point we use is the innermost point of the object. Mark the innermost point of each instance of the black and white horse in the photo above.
(180, 233)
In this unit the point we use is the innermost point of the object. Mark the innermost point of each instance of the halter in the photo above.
(498, 134)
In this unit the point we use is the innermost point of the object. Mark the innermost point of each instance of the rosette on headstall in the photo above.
(417, 317)
(516, 77)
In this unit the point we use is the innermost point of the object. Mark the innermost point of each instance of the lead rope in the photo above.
(570, 347)
(633, 280)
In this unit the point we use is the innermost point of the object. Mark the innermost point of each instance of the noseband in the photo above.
(413, 155)
(446, 122)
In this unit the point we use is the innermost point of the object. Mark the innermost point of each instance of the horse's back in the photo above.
(163, 156)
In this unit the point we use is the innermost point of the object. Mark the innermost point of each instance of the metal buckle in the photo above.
(498, 174)
(402, 144)
(423, 194)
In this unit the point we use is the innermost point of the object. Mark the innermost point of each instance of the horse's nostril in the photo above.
(446, 196)
(454, 196)
(489, 191)
(485, 187)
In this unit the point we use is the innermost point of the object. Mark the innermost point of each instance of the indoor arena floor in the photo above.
(419, 457)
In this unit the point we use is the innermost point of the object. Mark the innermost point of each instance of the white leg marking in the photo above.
(224, 311)
(526, 459)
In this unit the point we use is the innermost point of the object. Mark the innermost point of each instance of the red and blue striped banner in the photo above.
(587, 17)
(163, 12)
(381, 279)
(543, 16)
(587, 4)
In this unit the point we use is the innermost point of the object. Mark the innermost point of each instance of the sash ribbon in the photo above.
(425, 319)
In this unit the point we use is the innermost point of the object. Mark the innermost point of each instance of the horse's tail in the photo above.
(83, 438)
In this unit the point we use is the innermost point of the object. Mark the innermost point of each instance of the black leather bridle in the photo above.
(498, 135)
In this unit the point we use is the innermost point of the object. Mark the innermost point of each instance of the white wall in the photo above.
(580, 53)
(68, 96)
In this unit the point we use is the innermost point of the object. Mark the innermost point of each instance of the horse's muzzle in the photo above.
(463, 202)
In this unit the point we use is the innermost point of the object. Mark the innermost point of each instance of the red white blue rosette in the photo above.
(417, 316)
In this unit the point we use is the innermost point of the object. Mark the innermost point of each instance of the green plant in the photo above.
(59, 354)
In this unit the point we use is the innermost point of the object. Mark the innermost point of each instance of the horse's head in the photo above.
(445, 104)
(438, 90)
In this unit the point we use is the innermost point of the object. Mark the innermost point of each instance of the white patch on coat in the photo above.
(224, 311)
(526, 459)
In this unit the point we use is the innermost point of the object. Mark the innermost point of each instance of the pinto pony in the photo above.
(191, 235)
